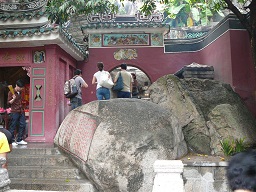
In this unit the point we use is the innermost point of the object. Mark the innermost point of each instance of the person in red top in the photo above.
(17, 114)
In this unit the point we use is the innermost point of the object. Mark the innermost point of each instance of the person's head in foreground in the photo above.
(241, 172)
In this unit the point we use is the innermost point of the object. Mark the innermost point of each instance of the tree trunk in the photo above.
(253, 29)
(248, 23)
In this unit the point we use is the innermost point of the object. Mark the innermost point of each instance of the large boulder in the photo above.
(208, 111)
(116, 142)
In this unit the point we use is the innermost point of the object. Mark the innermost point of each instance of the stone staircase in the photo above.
(41, 166)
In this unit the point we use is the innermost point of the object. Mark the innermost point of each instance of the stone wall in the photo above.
(205, 177)
(175, 175)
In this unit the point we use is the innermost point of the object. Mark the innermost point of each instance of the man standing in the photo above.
(17, 114)
(77, 100)
(127, 80)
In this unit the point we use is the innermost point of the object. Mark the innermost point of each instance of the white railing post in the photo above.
(168, 176)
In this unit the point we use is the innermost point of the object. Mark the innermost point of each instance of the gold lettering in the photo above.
(6, 57)
(20, 57)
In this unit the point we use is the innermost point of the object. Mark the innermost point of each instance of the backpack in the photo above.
(70, 88)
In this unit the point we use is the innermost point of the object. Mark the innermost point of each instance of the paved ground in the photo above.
(202, 157)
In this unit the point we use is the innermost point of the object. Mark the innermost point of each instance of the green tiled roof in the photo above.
(25, 32)
(123, 25)
(21, 16)
(73, 41)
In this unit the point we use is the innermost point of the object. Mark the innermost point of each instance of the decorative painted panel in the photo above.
(110, 40)
(39, 72)
(39, 57)
(37, 123)
(157, 39)
(125, 54)
(95, 40)
(38, 93)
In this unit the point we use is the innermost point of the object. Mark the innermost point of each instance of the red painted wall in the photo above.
(46, 114)
(229, 54)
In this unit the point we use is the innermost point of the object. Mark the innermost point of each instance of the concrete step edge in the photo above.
(12, 155)
(14, 190)
(50, 181)
(10, 168)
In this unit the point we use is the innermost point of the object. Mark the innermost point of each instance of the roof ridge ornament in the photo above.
(22, 7)
(155, 17)
(98, 18)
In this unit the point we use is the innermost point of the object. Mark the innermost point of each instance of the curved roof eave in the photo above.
(125, 28)
(26, 23)
(41, 39)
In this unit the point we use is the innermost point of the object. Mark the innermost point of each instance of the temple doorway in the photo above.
(142, 78)
(9, 76)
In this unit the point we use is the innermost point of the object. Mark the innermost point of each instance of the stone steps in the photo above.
(51, 184)
(38, 160)
(43, 167)
(38, 172)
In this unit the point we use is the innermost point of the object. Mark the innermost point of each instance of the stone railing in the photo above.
(173, 175)
(4, 177)
(168, 176)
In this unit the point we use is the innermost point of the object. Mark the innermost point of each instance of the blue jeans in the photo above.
(75, 102)
(17, 119)
(123, 94)
(103, 93)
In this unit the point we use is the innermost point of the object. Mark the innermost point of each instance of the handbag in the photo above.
(119, 85)
(106, 81)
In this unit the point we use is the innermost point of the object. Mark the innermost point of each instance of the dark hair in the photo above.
(20, 83)
(100, 66)
(123, 66)
(241, 171)
(78, 72)
(133, 75)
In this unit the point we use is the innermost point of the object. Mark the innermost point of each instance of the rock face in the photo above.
(207, 110)
(116, 142)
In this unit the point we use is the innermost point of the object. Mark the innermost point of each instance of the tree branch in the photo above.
(239, 15)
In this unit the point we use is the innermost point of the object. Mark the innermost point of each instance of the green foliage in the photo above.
(240, 145)
(60, 11)
(227, 147)
(232, 146)
(183, 12)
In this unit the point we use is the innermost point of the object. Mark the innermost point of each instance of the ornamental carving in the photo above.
(155, 17)
(95, 40)
(101, 18)
(125, 39)
(125, 54)
(34, 5)
(39, 57)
